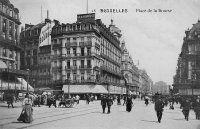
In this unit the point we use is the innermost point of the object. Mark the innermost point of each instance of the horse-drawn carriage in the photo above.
(68, 103)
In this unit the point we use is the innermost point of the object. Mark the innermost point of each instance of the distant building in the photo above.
(145, 83)
(129, 71)
(187, 78)
(36, 54)
(161, 88)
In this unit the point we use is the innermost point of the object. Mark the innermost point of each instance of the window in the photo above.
(82, 76)
(11, 54)
(0, 6)
(4, 28)
(89, 76)
(88, 63)
(11, 13)
(55, 63)
(35, 52)
(74, 62)
(88, 51)
(68, 64)
(68, 75)
(60, 41)
(4, 52)
(28, 53)
(74, 39)
(4, 9)
(82, 39)
(68, 51)
(82, 63)
(74, 76)
(68, 40)
(74, 51)
(82, 51)
(89, 39)
(10, 30)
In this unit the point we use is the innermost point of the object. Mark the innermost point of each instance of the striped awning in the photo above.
(84, 89)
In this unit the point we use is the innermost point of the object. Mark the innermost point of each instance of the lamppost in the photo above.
(27, 79)
(69, 79)
(193, 79)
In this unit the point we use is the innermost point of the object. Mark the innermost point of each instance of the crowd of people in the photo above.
(31, 100)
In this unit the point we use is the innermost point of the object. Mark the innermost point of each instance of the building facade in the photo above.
(161, 88)
(36, 54)
(129, 71)
(10, 47)
(145, 85)
(85, 53)
(187, 78)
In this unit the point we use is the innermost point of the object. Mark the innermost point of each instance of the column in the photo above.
(7, 29)
(0, 23)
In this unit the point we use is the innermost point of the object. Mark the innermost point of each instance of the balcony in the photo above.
(87, 43)
(97, 45)
(74, 67)
(73, 44)
(107, 69)
(57, 46)
(14, 71)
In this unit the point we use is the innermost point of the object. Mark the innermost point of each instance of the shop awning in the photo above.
(24, 84)
(84, 89)
(3, 65)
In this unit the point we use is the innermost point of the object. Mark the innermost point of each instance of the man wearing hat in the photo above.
(103, 103)
(159, 105)
(197, 108)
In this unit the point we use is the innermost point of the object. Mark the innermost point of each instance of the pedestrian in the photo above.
(27, 111)
(129, 103)
(109, 103)
(10, 100)
(186, 108)
(171, 103)
(119, 100)
(197, 108)
(38, 98)
(51, 101)
(124, 100)
(77, 99)
(159, 105)
(146, 99)
(103, 103)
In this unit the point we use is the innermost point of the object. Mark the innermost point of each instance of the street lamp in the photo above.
(69, 79)
(27, 79)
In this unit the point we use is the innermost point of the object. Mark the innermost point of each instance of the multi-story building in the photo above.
(187, 78)
(160, 88)
(10, 48)
(36, 54)
(85, 54)
(129, 71)
(145, 83)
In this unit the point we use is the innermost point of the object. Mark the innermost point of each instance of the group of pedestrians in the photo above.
(106, 101)
(186, 104)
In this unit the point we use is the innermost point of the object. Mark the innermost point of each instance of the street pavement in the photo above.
(84, 116)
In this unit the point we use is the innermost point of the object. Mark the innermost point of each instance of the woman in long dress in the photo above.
(27, 111)
(129, 103)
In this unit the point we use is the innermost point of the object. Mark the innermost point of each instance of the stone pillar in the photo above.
(0, 23)
(7, 29)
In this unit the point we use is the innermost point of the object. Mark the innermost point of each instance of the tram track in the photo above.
(57, 117)
(42, 112)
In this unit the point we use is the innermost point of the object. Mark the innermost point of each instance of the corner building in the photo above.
(86, 57)
(187, 78)
(10, 48)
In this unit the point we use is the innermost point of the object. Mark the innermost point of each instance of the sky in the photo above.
(154, 39)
